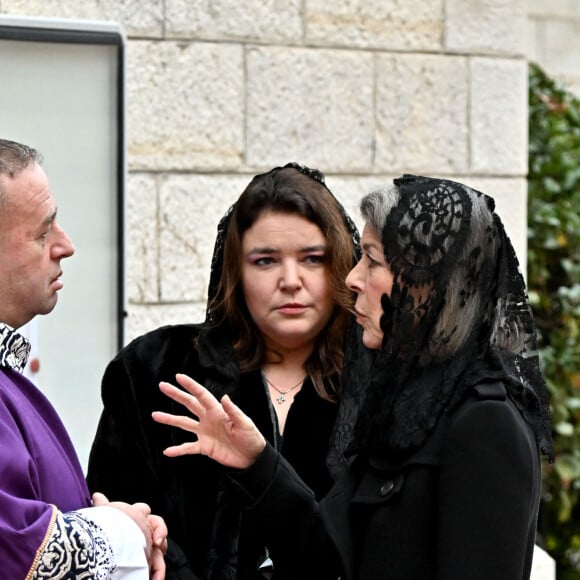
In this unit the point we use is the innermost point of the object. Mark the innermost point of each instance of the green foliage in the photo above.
(554, 290)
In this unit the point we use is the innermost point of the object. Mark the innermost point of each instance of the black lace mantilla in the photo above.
(458, 315)
(425, 229)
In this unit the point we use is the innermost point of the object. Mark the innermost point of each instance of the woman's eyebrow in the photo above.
(315, 248)
(272, 250)
(261, 250)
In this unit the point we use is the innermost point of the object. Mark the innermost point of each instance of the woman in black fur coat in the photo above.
(272, 340)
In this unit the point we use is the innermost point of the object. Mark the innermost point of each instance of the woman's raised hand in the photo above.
(224, 433)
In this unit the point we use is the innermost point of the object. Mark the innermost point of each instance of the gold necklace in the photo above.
(283, 392)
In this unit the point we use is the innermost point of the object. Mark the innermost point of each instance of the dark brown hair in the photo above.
(289, 190)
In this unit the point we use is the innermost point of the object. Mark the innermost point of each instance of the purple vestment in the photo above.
(39, 469)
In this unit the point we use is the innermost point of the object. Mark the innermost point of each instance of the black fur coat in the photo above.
(208, 539)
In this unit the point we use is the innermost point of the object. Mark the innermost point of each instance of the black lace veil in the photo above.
(458, 315)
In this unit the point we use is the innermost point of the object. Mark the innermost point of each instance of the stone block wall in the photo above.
(554, 39)
(218, 90)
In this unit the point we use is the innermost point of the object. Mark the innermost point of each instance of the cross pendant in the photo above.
(281, 399)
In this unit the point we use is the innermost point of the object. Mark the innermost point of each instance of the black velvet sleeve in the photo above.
(287, 509)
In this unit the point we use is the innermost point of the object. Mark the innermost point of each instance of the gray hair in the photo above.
(14, 158)
(376, 206)
(457, 313)
(457, 316)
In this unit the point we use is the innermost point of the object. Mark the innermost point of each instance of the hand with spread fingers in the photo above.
(224, 433)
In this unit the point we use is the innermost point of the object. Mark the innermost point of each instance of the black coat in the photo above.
(463, 507)
(126, 461)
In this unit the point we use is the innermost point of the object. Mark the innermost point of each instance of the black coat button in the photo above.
(386, 488)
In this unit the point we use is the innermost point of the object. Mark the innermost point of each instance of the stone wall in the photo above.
(362, 89)
(554, 39)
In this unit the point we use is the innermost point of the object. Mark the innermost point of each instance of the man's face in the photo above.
(32, 245)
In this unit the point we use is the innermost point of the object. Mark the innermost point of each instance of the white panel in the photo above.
(62, 98)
